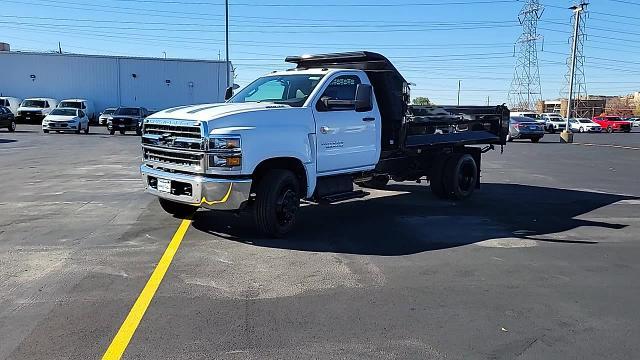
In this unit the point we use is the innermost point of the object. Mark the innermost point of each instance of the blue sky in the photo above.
(433, 44)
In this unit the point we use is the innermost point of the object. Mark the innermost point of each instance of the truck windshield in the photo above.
(127, 111)
(291, 90)
(70, 104)
(33, 103)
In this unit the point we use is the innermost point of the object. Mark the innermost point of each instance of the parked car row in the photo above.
(554, 122)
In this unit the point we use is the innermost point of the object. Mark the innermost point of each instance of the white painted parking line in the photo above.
(609, 146)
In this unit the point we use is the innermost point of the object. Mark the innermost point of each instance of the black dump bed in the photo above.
(462, 125)
(411, 127)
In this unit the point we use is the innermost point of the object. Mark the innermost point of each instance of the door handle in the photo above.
(368, 119)
(324, 129)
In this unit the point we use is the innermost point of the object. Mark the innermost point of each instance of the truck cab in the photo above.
(311, 133)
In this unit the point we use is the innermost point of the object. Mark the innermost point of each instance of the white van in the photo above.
(82, 104)
(12, 103)
(35, 109)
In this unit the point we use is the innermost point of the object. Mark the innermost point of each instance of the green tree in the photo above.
(421, 100)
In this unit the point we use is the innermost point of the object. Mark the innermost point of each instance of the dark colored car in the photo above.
(7, 119)
(521, 127)
(127, 119)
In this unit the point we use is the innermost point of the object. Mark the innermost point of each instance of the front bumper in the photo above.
(30, 117)
(60, 126)
(197, 190)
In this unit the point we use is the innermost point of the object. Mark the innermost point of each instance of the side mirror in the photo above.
(228, 94)
(363, 98)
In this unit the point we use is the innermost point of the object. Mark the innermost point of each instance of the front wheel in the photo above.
(12, 126)
(552, 129)
(609, 129)
(122, 132)
(535, 140)
(177, 209)
(139, 131)
(86, 131)
(277, 203)
(79, 129)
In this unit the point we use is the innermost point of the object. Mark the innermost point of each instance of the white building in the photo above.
(111, 81)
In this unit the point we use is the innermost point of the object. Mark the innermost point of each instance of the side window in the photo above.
(1, 110)
(342, 88)
(46, 104)
(81, 113)
(83, 106)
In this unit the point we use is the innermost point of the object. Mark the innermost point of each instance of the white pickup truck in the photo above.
(311, 133)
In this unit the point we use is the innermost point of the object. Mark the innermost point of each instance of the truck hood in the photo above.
(207, 112)
(30, 109)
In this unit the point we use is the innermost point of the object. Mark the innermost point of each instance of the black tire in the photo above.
(138, 131)
(122, 132)
(552, 129)
(277, 203)
(86, 131)
(112, 132)
(79, 129)
(177, 209)
(436, 179)
(12, 126)
(535, 140)
(45, 131)
(610, 130)
(628, 131)
(460, 176)
(376, 182)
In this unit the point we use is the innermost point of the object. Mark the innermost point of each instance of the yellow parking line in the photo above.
(130, 324)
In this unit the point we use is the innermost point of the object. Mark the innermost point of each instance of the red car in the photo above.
(612, 123)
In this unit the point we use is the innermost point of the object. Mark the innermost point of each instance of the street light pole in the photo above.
(577, 9)
(459, 85)
(226, 39)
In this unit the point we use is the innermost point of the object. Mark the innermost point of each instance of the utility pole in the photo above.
(226, 38)
(59, 48)
(577, 10)
(459, 85)
(487, 100)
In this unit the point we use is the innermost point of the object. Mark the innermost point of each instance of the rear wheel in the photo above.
(460, 176)
(277, 203)
(535, 140)
(138, 131)
(112, 132)
(376, 182)
(552, 129)
(609, 129)
(12, 126)
(122, 132)
(581, 130)
(177, 209)
(86, 130)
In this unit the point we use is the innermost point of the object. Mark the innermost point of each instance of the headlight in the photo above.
(224, 143)
(110, 118)
(225, 152)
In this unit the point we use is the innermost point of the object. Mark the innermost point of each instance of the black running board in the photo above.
(334, 198)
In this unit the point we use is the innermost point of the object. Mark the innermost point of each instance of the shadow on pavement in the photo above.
(6, 141)
(411, 220)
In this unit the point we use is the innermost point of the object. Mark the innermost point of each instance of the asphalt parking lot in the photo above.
(542, 263)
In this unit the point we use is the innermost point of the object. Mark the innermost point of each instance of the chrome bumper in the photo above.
(206, 192)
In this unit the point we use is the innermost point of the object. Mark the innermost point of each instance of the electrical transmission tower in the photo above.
(525, 88)
(575, 66)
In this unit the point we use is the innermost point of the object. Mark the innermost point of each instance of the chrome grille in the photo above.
(175, 159)
(193, 132)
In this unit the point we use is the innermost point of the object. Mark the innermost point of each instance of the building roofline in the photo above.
(109, 56)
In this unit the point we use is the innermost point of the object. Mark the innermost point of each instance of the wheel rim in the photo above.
(466, 177)
(13, 126)
(287, 207)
